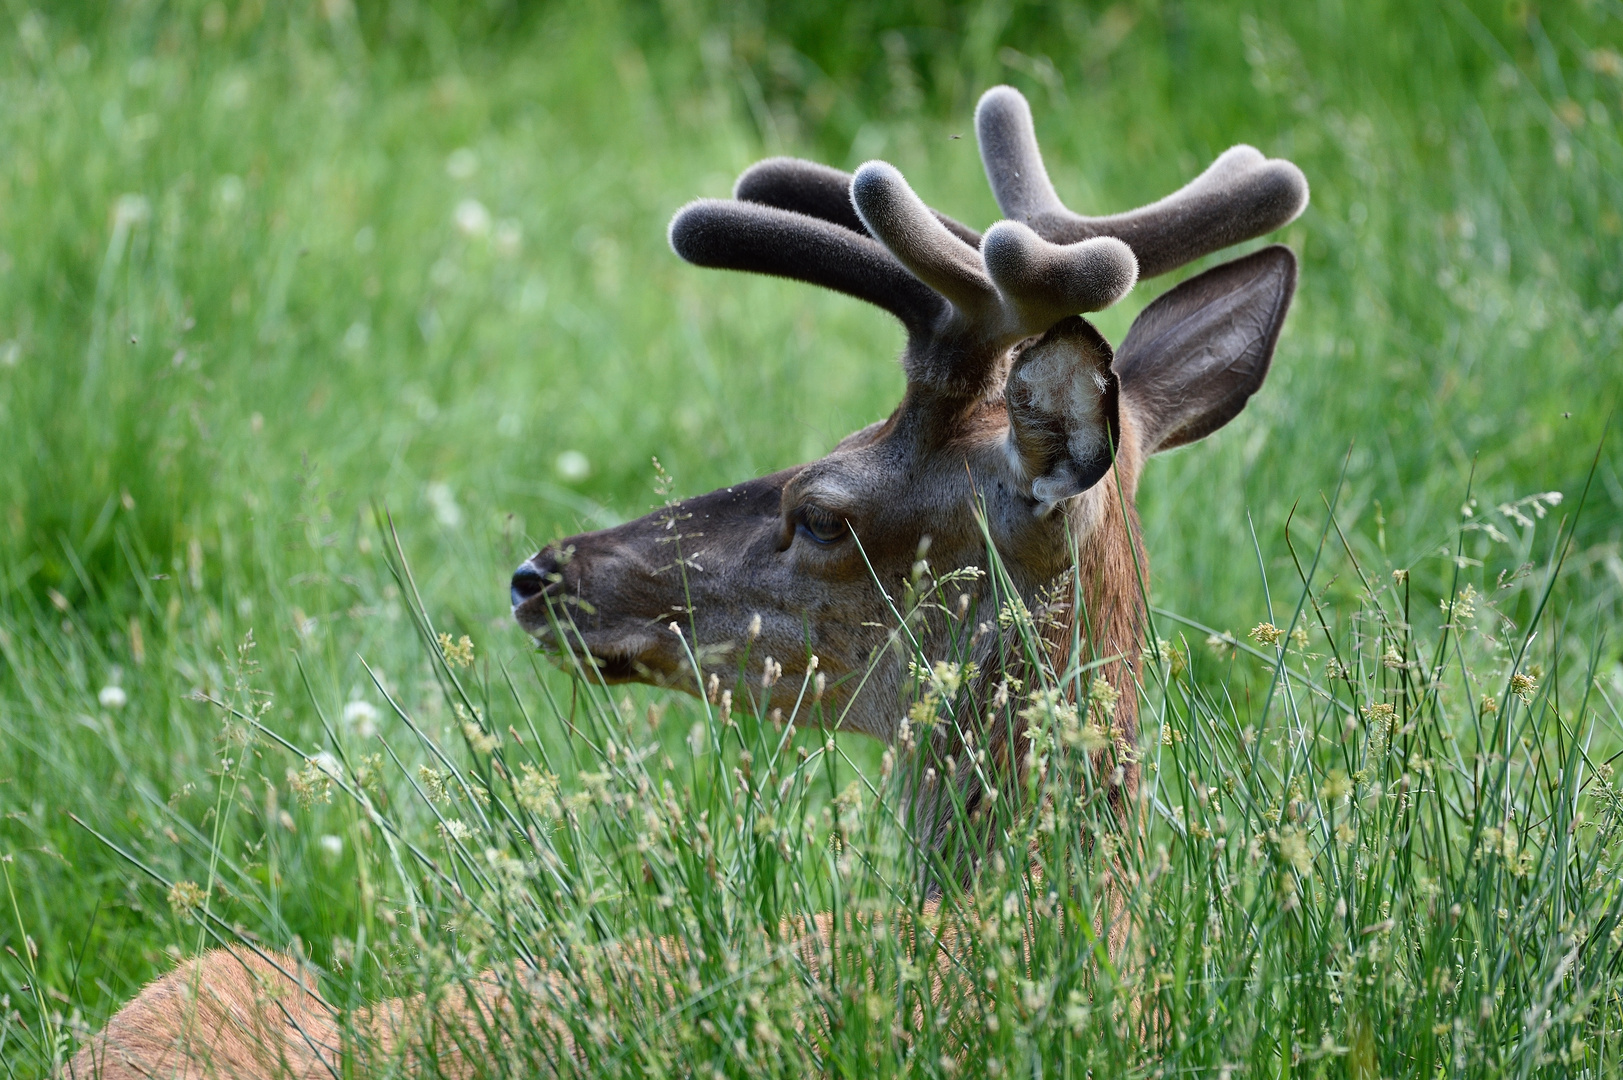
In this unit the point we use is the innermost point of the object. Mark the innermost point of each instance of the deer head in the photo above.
(1017, 413)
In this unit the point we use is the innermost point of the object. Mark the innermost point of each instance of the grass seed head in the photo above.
(185, 897)
(457, 654)
(1524, 686)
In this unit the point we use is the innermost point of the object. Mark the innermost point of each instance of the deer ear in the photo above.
(1195, 356)
(1063, 418)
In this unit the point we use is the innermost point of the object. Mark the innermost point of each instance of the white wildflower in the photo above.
(356, 337)
(472, 219)
(462, 163)
(443, 502)
(573, 466)
(132, 209)
(361, 717)
(509, 235)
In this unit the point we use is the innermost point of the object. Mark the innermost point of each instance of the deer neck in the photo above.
(985, 756)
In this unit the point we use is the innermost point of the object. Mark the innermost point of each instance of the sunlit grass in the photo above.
(1371, 840)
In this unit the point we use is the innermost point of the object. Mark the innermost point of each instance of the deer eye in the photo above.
(820, 526)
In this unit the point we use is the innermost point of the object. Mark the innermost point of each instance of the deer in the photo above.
(1020, 427)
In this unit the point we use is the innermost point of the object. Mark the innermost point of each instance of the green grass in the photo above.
(244, 301)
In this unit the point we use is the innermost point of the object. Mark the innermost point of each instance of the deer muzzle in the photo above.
(547, 603)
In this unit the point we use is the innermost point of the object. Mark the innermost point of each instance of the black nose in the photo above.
(528, 583)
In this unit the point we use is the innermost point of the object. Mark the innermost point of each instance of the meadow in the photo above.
(316, 319)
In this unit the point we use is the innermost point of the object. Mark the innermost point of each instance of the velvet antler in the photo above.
(964, 298)
(730, 235)
(962, 307)
(817, 191)
(1240, 196)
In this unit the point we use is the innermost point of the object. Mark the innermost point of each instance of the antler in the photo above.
(730, 235)
(964, 298)
(1240, 196)
(962, 307)
(818, 191)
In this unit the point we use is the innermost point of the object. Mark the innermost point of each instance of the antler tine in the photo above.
(730, 235)
(1240, 196)
(1047, 282)
(898, 218)
(1017, 285)
(817, 191)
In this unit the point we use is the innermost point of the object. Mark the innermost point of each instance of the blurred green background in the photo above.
(265, 267)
